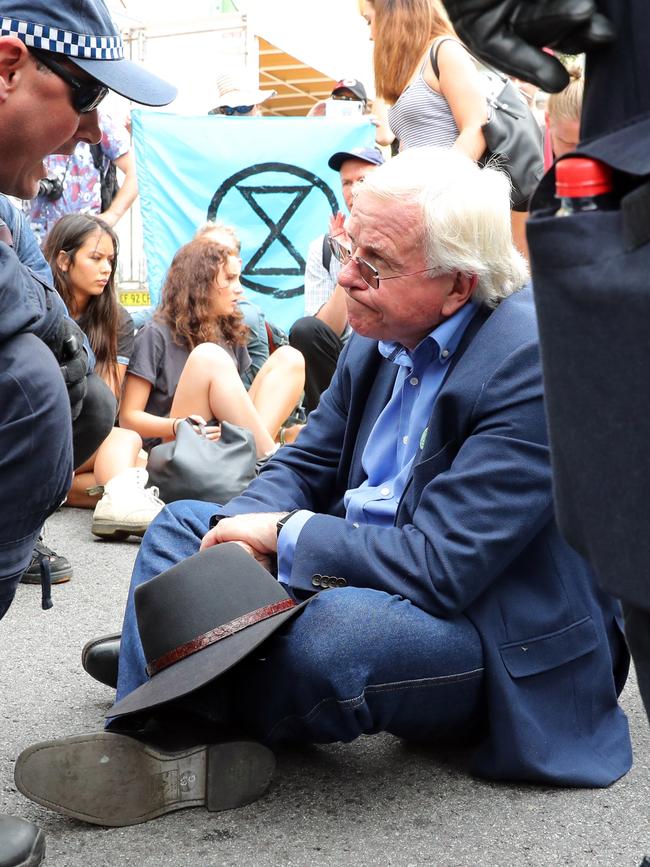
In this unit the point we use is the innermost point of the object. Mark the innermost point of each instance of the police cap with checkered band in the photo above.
(83, 31)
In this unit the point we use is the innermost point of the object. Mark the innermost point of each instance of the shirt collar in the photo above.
(445, 338)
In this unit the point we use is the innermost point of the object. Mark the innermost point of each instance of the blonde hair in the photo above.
(567, 104)
(465, 216)
(403, 30)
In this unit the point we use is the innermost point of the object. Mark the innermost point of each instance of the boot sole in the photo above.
(112, 530)
(114, 780)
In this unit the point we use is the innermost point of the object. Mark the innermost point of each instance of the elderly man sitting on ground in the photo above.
(415, 513)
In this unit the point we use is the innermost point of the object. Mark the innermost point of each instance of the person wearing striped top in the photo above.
(444, 107)
(425, 109)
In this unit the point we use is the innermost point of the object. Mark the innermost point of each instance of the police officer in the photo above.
(57, 62)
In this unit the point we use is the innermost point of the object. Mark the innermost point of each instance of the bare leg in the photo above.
(210, 386)
(77, 495)
(119, 451)
(277, 387)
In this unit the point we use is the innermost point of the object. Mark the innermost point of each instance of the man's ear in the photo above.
(460, 293)
(13, 58)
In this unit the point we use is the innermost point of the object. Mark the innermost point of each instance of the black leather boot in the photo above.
(100, 657)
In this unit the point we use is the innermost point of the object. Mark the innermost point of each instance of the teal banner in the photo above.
(267, 177)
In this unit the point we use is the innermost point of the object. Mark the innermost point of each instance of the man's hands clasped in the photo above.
(256, 533)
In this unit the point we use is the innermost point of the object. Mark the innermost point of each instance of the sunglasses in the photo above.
(86, 95)
(229, 110)
(344, 97)
(369, 274)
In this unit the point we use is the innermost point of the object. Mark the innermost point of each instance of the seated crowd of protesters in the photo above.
(190, 360)
(414, 513)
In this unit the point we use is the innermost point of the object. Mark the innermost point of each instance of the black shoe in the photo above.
(116, 780)
(60, 568)
(100, 657)
(21, 843)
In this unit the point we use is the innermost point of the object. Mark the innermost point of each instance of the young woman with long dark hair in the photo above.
(82, 252)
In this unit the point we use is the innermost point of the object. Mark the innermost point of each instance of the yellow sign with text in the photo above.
(130, 298)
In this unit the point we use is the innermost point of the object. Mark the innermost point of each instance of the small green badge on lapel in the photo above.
(423, 438)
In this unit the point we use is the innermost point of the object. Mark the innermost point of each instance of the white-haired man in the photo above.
(415, 509)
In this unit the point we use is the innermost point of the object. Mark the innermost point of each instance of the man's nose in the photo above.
(89, 129)
(350, 276)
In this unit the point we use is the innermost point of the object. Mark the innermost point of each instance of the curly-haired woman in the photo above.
(187, 361)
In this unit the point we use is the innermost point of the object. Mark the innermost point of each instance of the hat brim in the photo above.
(129, 79)
(245, 97)
(200, 668)
(336, 160)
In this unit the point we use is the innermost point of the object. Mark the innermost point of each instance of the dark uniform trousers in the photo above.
(35, 451)
(591, 275)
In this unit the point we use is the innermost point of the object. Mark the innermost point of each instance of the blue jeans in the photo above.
(35, 452)
(354, 661)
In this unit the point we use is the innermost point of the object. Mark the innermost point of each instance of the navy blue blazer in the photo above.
(474, 533)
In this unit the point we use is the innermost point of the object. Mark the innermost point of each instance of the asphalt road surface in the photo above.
(374, 802)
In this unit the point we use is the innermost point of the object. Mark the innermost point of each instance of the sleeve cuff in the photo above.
(287, 541)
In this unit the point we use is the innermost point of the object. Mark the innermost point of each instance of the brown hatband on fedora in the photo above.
(201, 617)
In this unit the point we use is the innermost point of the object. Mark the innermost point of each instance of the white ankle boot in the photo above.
(127, 508)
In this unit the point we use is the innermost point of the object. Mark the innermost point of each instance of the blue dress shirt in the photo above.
(387, 457)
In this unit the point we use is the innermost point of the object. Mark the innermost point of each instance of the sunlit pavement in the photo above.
(373, 802)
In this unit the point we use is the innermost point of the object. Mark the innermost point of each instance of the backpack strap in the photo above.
(327, 253)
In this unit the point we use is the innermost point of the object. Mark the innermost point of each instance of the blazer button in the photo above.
(341, 582)
(316, 580)
(325, 582)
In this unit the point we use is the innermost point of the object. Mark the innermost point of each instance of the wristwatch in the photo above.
(283, 520)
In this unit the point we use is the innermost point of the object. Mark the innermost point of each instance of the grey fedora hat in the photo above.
(85, 33)
(201, 617)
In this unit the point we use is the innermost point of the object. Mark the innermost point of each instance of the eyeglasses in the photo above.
(369, 274)
(86, 95)
(229, 110)
(346, 97)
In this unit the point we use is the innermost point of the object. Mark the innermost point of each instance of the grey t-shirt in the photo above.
(160, 361)
(125, 335)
